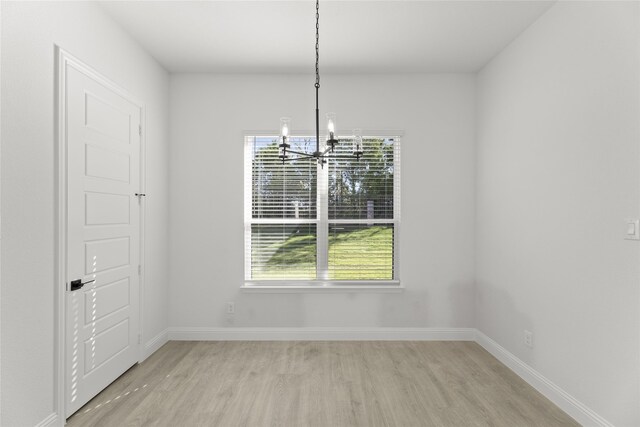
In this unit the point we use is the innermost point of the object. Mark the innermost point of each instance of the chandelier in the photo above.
(321, 154)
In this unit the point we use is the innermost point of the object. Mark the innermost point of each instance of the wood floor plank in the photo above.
(320, 384)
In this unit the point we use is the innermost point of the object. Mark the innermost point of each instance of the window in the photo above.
(322, 226)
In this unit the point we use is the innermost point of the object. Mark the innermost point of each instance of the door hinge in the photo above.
(139, 269)
(140, 130)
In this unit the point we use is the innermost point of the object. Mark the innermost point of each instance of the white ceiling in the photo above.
(355, 36)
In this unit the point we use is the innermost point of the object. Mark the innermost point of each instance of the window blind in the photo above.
(361, 252)
(283, 251)
(361, 213)
(362, 188)
(282, 191)
(336, 223)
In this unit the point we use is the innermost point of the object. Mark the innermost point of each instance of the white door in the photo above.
(103, 236)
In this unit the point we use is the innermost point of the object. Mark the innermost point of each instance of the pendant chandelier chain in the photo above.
(317, 44)
(321, 153)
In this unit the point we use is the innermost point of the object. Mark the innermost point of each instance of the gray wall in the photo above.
(558, 173)
(208, 116)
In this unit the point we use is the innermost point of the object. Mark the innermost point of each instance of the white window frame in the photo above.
(322, 222)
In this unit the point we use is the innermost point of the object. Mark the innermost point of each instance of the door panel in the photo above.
(105, 254)
(106, 118)
(103, 236)
(106, 299)
(102, 163)
(105, 345)
(107, 209)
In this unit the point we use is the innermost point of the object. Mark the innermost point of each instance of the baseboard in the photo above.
(321, 334)
(50, 421)
(155, 343)
(574, 408)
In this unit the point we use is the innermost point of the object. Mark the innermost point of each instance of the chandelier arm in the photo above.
(342, 157)
(322, 156)
(300, 153)
(292, 159)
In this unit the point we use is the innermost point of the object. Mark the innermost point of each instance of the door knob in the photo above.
(78, 284)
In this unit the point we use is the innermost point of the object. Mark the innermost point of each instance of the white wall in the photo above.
(208, 116)
(29, 31)
(558, 173)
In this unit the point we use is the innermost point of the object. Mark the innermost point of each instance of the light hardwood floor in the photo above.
(320, 384)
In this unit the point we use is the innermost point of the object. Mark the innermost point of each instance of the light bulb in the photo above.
(357, 140)
(357, 143)
(331, 125)
(285, 123)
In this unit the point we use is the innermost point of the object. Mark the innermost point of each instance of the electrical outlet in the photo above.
(231, 308)
(528, 338)
(632, 231)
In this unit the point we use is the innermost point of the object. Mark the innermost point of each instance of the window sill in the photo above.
(350, 287)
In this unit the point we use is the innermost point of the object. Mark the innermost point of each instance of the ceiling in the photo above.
(355, 36)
